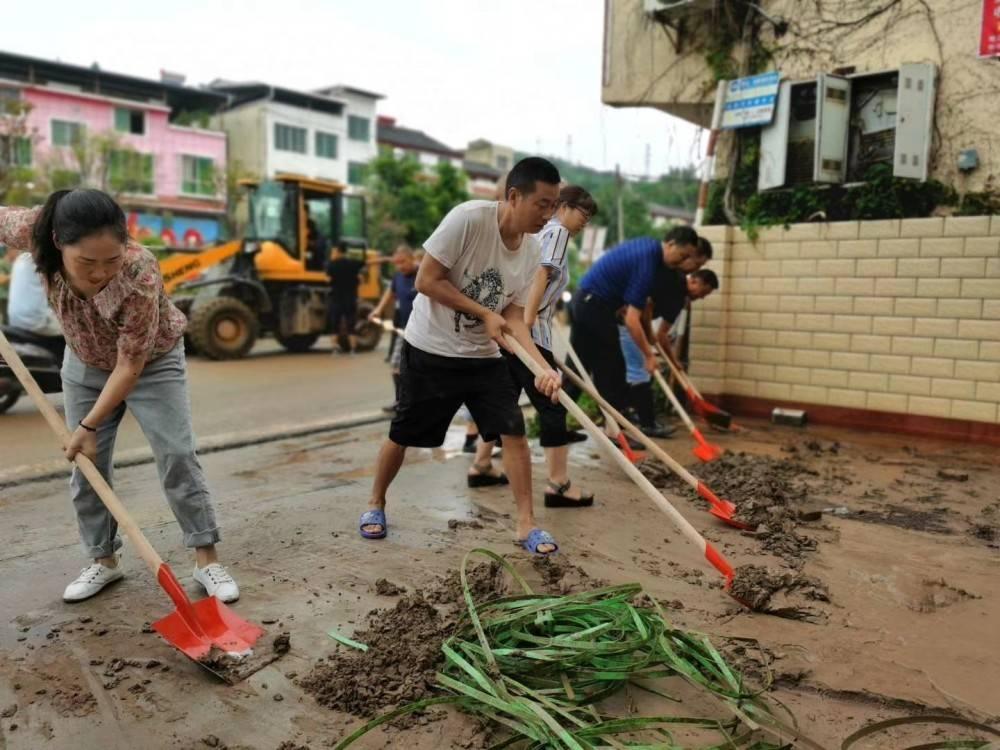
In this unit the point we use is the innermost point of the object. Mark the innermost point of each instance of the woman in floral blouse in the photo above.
(125, 348)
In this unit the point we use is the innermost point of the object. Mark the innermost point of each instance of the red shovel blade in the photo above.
(197, 627)
(709, 411)
(704, 450)
(630, 454)
(722, 509)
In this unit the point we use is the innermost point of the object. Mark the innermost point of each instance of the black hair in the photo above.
(577, 197)
(69, 216)
(528, 171)
(704, 248)
(682, 235)
(706, 276)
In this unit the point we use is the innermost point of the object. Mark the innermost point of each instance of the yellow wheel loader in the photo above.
(273, 280)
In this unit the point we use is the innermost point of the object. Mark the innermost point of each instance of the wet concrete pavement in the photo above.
(269, 387)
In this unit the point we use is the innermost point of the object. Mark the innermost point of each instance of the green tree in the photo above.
(18, 178)
(405, 203)
(635, 212)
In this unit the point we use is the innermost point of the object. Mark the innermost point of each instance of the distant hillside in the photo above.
(677, 188)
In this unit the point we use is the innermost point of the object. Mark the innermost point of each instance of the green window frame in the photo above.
(131, 172)
(356, 172)
(359, 128)
(198, 176)
(326, 145)
(15, 151)
(289, 138)
(130, 121)
(66, 133)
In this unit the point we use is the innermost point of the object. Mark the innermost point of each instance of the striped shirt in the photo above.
(555, 256)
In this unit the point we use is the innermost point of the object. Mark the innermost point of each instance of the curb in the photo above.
(57, 468)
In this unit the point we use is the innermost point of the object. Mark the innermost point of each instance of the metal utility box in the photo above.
(833, 129)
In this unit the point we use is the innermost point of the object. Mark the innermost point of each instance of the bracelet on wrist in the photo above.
(87, 427)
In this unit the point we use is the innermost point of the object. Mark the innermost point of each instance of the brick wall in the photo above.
(893, 316)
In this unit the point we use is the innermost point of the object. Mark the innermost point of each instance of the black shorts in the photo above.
(345, 312)
(551, 416)
(432, 388)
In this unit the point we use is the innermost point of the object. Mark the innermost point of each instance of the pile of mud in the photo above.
(784, 594)
(769, 493)
(404, 641)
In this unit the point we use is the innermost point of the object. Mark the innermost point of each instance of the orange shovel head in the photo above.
(707, 451)
(197, 627)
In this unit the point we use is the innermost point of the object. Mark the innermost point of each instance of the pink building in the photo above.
(168, 176)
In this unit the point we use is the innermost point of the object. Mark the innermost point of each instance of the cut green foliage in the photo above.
(540, 666)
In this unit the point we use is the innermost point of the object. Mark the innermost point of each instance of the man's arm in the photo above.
(535, 293)
(633, 321)
(519, 331)
(382, 304)
(432, 281)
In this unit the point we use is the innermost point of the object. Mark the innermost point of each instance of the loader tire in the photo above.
(223, 328)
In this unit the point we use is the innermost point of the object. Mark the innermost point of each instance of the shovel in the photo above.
(616, 433)
(704, 450)
(705, 409)
(722, 509)
(196, 628)
(715, 559)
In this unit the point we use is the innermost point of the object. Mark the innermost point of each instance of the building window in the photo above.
(503, 162)
(65, 133)
(197, 175)
(131, 172)
(326, 145)
(288, 138)
(358, 128)
(130, 121)
(356, 173)
(15, 151)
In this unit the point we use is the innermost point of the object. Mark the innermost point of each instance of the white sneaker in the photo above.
(91, 580)
(217, 582)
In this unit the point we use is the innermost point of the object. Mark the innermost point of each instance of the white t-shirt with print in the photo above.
(468, 243)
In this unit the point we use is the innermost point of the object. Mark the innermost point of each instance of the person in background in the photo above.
(626, 277)
(125, 349)
(402, 290)
(574, 209)
(697, 285)
(27, 308)
(6, 261)
(345, 274)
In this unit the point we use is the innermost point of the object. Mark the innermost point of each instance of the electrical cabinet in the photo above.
(832, 129)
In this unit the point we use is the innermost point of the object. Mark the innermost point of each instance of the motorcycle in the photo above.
(42, 355)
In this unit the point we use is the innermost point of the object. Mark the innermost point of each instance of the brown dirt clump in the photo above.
(404, 651)
(384, 587)
(784, 594)
(404, 646)
(559, 576)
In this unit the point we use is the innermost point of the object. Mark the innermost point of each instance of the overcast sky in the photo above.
(525, 73)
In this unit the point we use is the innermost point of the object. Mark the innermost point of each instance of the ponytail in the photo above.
(48, 259)
(66, 218)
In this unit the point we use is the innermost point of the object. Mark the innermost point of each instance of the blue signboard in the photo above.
(750, 101)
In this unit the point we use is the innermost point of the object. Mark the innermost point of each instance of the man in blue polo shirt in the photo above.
(625, 277)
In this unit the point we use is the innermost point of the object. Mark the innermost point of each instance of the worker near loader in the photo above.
(574, 209)
(625, 276)
(667, 305)
(125, 347)
(402, 290)
(472, 287)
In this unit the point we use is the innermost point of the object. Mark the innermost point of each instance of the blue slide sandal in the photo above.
(370, 518)
(536, 538)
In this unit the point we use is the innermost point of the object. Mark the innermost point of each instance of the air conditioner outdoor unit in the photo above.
(673, 8)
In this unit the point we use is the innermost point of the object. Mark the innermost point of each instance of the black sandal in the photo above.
(486, 480)
(558, 499)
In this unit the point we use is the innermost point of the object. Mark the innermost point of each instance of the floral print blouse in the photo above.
(131, 316)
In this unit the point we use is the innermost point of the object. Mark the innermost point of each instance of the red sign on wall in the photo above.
(989, 36)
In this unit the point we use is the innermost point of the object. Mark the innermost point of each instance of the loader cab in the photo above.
(301, 219)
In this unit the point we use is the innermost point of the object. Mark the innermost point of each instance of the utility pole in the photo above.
(621, 209)
(569, 148)
(649, 154)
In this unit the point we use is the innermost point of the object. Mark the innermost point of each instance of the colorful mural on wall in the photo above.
(175, 231)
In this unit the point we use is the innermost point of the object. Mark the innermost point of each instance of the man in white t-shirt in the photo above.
(472, 286)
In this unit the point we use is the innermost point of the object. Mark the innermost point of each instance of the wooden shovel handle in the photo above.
(608, 418)
(633, 473)
(648, 443)
(101, 487)
(678, 372)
